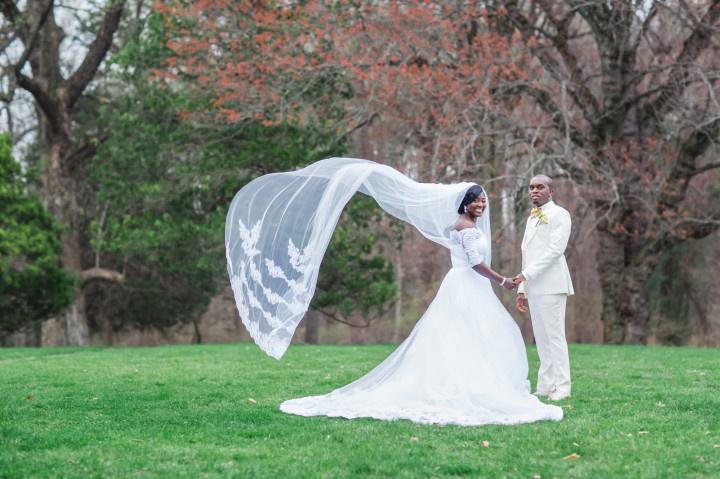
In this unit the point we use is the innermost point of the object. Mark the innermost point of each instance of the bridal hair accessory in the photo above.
(279, 225)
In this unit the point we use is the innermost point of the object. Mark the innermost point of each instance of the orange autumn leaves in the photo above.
(274, 62)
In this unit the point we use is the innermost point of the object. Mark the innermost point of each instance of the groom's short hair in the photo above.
(546, 179)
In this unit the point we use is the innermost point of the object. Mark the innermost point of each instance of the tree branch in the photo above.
(30, 43)
(101, 274)
(697, 143)
(7, 37)
(85, 150)
(646, 25)
(11, 12)
(707, 167)
(693, 46)
(46, 103)
(611, 27)
(581, 95)
(79, 80)
(544, 100)
(560, 41)
(700, 228)
(341, 320)
(684, 169)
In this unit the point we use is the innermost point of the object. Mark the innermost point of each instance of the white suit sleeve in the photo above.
(559, 237)
(521, 286)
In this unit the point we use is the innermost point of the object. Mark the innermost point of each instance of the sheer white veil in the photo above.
(279, 226)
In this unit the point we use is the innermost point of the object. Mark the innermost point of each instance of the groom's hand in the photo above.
(521, 303)
(518, 279)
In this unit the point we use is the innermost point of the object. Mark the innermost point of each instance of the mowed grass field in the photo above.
(212, 411)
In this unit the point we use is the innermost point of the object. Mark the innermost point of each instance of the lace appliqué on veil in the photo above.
(253, 297)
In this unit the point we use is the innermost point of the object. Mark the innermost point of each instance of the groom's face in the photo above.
(540, 191)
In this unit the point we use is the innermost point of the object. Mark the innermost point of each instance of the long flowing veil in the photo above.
(279, 226)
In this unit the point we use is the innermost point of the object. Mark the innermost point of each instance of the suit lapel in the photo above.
(533, 224)
(529, 232)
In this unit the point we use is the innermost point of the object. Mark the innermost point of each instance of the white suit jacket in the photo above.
(543, 253)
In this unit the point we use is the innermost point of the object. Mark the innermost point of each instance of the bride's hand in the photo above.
(509, 285)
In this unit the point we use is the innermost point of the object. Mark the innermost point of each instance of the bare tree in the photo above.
(627, 92)
(39, 70)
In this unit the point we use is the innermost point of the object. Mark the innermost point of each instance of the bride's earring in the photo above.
(465, 209)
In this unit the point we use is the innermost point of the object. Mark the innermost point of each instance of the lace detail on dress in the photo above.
(473, 244)
(261, 298)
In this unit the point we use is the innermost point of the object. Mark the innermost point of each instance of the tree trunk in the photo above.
(70, 328)
(55, 99)
(197, 337)
(27, 338)
(634, 307)
(610, 262)
(398, 298)
(626, 312)
(671, 300)
(312, 327)
(106, 326)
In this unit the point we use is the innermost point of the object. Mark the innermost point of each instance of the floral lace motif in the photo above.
(257, 303)
(472, 242)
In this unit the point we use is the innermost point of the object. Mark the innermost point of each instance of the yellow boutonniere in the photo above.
(540, 215)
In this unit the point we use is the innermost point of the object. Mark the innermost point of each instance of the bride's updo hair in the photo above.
(470, 195)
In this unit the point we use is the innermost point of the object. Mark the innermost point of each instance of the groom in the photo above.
(544, 286)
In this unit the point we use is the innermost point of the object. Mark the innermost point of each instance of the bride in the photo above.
(463, 363)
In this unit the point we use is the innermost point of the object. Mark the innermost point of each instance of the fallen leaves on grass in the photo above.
(252, 401)
(29, 397)
(414, 439)
(571, 457)
(485, 443)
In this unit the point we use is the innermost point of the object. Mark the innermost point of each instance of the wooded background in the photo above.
(129, 125)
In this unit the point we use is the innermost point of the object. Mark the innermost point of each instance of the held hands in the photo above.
(512, 283)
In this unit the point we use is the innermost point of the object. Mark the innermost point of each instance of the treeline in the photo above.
(133, 228)
(134, 125)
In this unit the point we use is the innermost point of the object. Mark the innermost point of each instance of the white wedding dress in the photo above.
(464, 362)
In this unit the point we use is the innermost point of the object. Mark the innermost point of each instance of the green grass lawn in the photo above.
(212, 411)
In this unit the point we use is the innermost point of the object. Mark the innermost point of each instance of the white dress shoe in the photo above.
(558, 395)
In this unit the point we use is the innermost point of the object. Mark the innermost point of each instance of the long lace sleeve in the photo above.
(473, 243)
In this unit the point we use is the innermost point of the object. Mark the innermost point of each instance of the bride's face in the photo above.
(477, 207)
